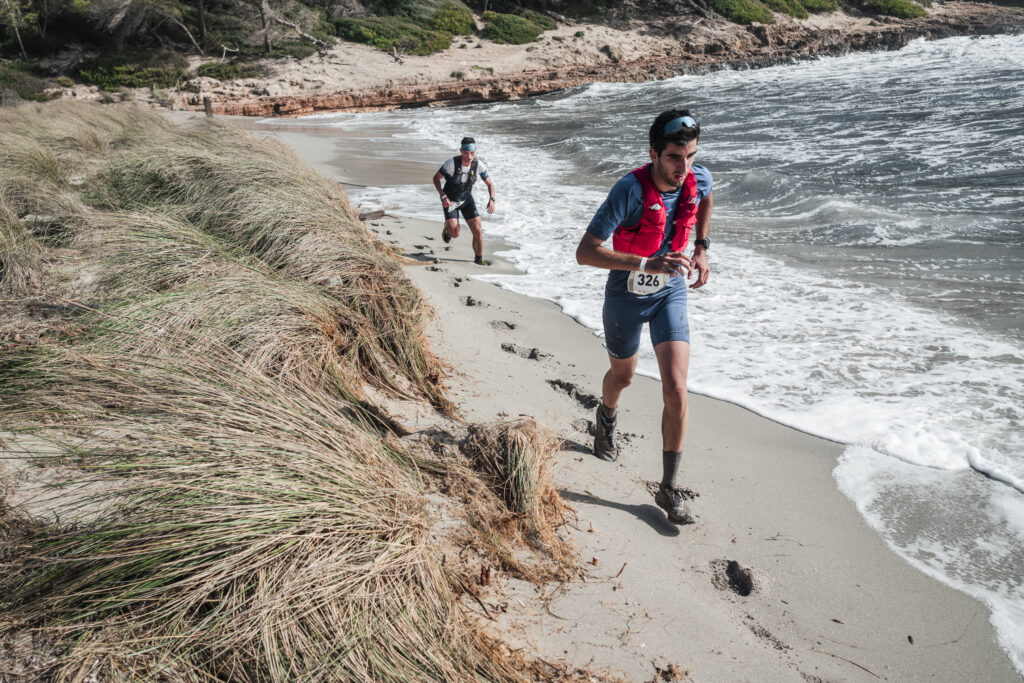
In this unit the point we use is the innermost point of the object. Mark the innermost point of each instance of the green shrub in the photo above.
(742, 11)
(143, 69)
(578, 34)
(510, 28)
(295, 48)
(454, 19)
(544, 21)
(903, 9)
(820, 6)
(386, 33)
(791, 7)
(65, 82)
(227, 71)
(17, 77)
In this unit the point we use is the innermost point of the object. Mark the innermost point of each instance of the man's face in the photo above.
(467, 157)
(673, 164)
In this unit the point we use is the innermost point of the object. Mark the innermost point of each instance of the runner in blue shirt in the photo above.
(649, 215)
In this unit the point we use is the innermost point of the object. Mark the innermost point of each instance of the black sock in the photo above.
(608, 413)
(669, 467)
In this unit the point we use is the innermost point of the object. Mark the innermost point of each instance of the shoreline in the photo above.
(354, 78)
(830, 599)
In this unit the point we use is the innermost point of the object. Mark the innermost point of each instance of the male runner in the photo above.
(459, 173)
(649, 215)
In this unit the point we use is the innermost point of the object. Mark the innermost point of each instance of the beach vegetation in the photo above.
(134, 69)
(227, 71)
(455, 19)
(820, 6)
(901, 9)
(389, 33)
(20, 255)
(742, 11)
(793, 8)
(233, 501)
(510, 28)
(22, 79)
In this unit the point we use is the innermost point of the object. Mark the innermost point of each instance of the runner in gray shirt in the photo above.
(459, 174)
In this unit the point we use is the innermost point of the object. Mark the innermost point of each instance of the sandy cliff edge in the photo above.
(352, 77)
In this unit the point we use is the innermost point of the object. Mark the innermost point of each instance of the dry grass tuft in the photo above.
(515, 458)
(20, 255)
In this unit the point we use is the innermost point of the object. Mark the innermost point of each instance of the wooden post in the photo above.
(207, 106)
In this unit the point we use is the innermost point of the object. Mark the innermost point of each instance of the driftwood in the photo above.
(371, 215)
(184, 28)
(295, 27)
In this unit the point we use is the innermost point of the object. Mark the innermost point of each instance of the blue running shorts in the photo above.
(625, 315)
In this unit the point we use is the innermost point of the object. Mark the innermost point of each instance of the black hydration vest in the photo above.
(457, 189)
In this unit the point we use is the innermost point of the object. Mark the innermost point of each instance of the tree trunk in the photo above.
(12, 10)
(202, 23)
(264, 11)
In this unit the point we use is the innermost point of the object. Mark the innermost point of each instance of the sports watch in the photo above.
(706, 243)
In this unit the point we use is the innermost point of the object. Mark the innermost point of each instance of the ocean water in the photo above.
(867, 266)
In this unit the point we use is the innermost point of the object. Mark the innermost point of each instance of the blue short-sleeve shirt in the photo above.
(624, 206)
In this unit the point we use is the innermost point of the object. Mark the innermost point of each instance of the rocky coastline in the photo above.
(656, 52)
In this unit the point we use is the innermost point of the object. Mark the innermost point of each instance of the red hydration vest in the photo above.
(647, 236)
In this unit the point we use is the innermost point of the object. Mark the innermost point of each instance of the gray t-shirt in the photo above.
(449, 170)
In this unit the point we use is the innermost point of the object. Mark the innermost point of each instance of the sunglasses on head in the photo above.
(677, 124)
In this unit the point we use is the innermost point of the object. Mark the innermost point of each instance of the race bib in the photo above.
(646, 283)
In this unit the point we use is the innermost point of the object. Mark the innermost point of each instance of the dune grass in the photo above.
(19, 253)
(234, 511)
(236, 527)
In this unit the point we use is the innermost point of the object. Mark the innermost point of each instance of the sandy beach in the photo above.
(829, 601)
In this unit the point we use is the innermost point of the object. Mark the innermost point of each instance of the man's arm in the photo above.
(700, 255)
(490, 190)
(437, 184)
(590, 252)
(622, 202)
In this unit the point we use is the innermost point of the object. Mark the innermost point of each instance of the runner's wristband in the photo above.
(643, 264)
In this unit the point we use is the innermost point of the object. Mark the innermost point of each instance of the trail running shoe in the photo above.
(445, 236)
(604, 445)
(674, 505)
(480, 261)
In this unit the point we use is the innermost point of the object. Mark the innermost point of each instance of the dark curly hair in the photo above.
(659, 141)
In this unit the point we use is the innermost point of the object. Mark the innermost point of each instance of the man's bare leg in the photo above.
(452, 226)
(476, 227)
(618, 377)
(674, 364)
